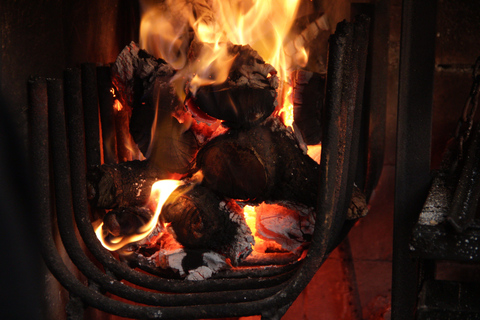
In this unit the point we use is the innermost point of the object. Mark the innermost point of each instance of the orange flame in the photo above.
(161, 190)
(286, 112)
(263, 24)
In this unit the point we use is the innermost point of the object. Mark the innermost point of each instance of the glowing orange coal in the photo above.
(161, 190)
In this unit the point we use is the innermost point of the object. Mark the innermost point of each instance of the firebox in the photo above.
(187, 252)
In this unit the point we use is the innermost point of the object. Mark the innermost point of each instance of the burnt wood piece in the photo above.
(246, 98)
(308, 101)
(143, 84)
(126, 221)
(122, 185)
(258, 164)
(174, 145)
(199, 219)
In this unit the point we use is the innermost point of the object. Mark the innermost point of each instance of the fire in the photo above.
(286, 112)
(161, 190)
(263, 24)
(251, 219)
(116, 103)
(315, 152)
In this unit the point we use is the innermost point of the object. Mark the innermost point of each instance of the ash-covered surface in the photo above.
(438, 202)
(433, 238)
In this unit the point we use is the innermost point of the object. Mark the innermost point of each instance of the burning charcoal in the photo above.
(199, 219)
(126, 221)
(259, 164)
(246, 98)
(122, 185)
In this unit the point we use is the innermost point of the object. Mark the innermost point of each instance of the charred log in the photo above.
(143, 83)
(199, 219)
(122, 185)
(174, 145)
(126, 221)
(258, 164)
(246, 98)
(308, 100)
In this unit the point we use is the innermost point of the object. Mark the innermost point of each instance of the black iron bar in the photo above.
(90, 109)
(412, 177)
(56, 126)
(105, 99)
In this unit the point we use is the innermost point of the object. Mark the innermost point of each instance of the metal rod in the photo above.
(105, 96)
(412, 176)
(90, 108)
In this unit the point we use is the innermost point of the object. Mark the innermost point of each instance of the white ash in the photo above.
(211, 263)
(286, 223)
(243, 242)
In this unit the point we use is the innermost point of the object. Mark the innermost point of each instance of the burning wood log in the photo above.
(174, 145)
(143, 84)
(199, 219)
(263, 163)
(122, 185)
(248, 95)
(308, 100)
(126, 221)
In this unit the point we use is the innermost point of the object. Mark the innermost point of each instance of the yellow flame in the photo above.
(251, 220)
(286, 112)
(161, 190)
(263, 24)
(315, 152)
(117, 105)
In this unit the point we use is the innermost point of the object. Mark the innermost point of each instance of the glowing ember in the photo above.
(117, 105)
(261, 245)
(315, 152)
(161, 190)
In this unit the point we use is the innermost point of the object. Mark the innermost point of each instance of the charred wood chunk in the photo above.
(237, 106)
(258, 164)
(246, 98)
(126, 221)
(143, 84)
(199, 219)
(174, 145)
(308, 101)
(122, 185)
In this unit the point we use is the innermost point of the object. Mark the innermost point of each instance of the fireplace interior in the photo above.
(418, 76)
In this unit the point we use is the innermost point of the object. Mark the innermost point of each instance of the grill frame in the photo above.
(269, 292)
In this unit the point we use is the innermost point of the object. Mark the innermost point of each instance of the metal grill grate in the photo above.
(61, 111)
